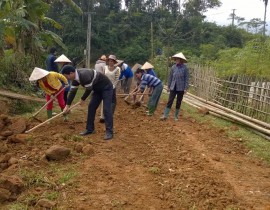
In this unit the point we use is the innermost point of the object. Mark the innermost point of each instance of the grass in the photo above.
(154, 170)
(63, 174)
(259, 146)
(33, 178)
(17, 206)
(51, 195)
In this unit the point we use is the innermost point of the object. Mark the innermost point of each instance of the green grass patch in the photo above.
(259, 146)
(17, 206)
(154, 170)
(33, 178)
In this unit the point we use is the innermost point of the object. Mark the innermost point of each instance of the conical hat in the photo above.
(136, 66)
(180, 55)
(62, 59)
(119, 62)
(147, 66)
(37, 74)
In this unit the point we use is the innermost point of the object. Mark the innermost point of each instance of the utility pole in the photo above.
(233, 17)
(88, 44)
(152, 42)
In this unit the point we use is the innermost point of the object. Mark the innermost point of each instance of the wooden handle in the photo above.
(51, 118)
(130, 94)
(143, 94)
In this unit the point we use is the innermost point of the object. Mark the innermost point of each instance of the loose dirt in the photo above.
(150, 164)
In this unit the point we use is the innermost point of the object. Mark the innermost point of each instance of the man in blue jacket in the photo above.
(50, 64)
(126, 74)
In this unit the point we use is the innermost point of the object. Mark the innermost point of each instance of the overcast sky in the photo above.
(247, 9)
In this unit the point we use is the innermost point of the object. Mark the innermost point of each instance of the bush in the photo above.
(15, 70)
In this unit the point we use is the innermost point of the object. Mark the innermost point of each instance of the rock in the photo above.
(45, 203)
(6, 133)
(5, 158)
(4, 195)
(12, 161)
(203, 111)
(3, 138)
(12, 183)
(78, 147)
(88, 150)
(3, 117)
(18, 138)
(3, 166)
(3, 147)
(18, 126)
(2, 125)
(57, 152)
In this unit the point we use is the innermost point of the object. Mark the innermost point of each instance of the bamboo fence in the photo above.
(247, 95)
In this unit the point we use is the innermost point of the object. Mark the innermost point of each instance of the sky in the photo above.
(247, 9)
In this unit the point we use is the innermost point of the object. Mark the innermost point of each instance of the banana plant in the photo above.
(23, 21)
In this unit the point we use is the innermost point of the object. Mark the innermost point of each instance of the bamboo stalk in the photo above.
(232, 111)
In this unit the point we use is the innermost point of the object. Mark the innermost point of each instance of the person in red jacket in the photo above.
(50, 83)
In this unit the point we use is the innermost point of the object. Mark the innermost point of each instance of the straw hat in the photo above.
(136, 66)
(147, 66)
(112, 57)
(119, 62)
(180, 55)
(103, 57)
(62, 59)
(37, 74)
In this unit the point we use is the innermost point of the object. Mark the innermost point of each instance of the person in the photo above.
(152, 82)
(99, 67)
(63, 60)
(126, 76)
(149, 68)
(100, 63)
(112, 72)
(50, 83)
(50, 64)
(102, 89)
(178, 82)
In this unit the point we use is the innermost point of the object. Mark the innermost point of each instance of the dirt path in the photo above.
(150, 164)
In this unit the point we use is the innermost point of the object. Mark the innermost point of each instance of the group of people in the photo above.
(102, 82)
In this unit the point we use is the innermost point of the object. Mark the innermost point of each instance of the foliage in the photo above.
(252, 60)
(132, 32)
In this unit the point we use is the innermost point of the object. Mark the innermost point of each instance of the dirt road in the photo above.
(150, 164)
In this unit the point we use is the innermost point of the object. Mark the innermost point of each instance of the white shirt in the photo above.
(112, 75)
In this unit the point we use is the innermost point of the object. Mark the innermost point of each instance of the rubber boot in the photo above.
(166, 113)
(65, 116)
(176, 114)
(49, 114)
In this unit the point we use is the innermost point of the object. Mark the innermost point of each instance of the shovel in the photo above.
(125, 99)
(51, 99)
(139, 102)
(61, 113)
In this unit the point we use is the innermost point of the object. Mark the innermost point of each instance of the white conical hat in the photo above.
(147, 66)
(119, 62)
(180, 55)
(62, 59)
(37, 74)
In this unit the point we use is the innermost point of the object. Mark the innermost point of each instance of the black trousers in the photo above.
(106, 95)
(179, 98)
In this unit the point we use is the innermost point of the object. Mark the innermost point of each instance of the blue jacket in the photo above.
(50, 64)
(125, 71)
(151, 72)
